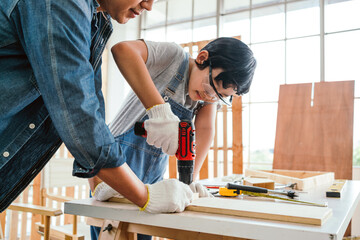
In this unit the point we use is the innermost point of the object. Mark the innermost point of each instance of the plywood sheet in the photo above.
(264, 210)
(315, 134)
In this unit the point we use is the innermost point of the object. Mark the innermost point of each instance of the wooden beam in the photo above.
(215, 148)
(57, 232)
(286, 212)
(175, 233)
(25, 196)
(47, 228)
(237, 135)
(35, 209)
(69, 192)
(36, 200)
(225, 130)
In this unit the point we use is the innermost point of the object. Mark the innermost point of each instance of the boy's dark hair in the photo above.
(235, 58)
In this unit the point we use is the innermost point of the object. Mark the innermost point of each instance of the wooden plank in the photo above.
(266, 210)
(215, 148)
(97, 222)
(2, 221)
(237, 135)
(163, 232)
(58, 198)
(260, 182)
(14, 219)
(36, 200)
(25, 196)
(304, 179)
(47, 228)
(175, 233)
(69, 192)
(36, 209)
(57, 232)
(50, 201)
(316, 134)
(225, 146)
(280, 211)
(315, 137)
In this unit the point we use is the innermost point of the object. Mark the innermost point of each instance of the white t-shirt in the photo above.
(163, 61)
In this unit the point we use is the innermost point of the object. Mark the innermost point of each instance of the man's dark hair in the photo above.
(235, 58)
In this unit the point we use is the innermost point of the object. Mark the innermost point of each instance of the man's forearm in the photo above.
(124, 181)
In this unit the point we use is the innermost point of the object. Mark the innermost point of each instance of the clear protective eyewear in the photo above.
(211, 92)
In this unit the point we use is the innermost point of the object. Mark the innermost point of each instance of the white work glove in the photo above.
(199, 188)
(103, 192)
(162, 128)
(168, 196)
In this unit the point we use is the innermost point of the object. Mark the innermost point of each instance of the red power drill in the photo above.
(185, 153)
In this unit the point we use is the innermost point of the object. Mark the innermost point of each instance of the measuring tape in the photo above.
(223, 191)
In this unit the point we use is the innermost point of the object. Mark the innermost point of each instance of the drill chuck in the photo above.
(185, 169)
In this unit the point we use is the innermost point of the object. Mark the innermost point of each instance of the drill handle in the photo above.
(139, 129)
(186, 150)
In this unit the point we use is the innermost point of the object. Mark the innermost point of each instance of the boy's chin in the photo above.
(195, 96)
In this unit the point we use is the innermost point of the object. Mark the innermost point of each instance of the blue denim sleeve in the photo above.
(56, 36)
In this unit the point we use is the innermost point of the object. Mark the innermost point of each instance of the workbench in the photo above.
(196, 225)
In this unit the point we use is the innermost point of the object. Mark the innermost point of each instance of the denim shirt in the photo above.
(50, 78)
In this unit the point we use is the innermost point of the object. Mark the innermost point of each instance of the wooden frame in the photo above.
(41, 210)
(46, 192)
(304, 179)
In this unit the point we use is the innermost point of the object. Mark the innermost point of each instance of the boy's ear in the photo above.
(202, 56)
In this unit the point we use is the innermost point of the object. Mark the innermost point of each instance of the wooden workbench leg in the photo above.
(47, 228)
(132, 236)
(124, 234)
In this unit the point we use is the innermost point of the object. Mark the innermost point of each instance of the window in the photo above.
(291, 46)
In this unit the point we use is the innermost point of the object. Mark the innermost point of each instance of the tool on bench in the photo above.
(336, 188)
(235, 190)
(290, 194)
(185, 153)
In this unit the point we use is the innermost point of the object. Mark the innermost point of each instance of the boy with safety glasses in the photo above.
(162, 72)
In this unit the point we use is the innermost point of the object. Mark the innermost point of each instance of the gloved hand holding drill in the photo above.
(166, 196)
(162, 128)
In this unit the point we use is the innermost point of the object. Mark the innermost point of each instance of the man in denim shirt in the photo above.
(50, 81)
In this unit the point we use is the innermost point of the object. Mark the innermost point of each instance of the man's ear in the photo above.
(202, 56)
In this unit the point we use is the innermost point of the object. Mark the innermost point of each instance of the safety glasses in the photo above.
(212, 93)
